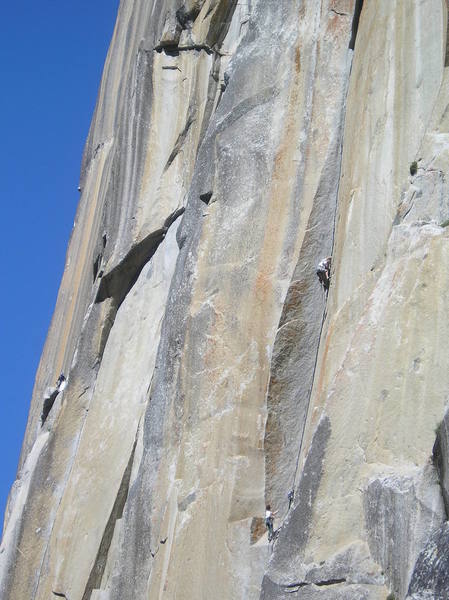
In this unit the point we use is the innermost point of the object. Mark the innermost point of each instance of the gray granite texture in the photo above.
(234, 145)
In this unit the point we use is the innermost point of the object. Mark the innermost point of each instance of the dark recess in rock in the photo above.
(446, 56)
(169, 49)
(355, 23)
(96, 265)
(174, 50)
(300, 584)
(430, 578)
(48, 405)
(224, 85)
(294, 532)
(330, 581)
(206, 197)
(117, 283)
(440, 456)
(294, 587)
(120, 280)
(307, 590)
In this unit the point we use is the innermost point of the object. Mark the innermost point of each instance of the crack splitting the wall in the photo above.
(439, 452)
(355, 23)
(323, 583)
(335, 581)
(446, 54)
(180, 140)
(99, 566)
(355, 26)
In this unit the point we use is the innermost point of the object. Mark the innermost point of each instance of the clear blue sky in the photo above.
(51, 58)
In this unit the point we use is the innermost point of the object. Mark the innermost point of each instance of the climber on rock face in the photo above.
(61, 384)
(323, 271)
(269, 521)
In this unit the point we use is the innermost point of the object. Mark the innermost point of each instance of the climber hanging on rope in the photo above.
(269, 521)
(323, 271)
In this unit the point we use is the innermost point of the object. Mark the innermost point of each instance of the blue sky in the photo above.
(51, 59)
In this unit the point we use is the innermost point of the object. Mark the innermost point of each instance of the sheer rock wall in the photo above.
(235, 143)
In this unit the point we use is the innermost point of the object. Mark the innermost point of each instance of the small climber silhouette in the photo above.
(290, 497)
(61, 384)
(269, 521)
(323, 271)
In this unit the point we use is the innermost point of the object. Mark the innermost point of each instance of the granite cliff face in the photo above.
(236, 143)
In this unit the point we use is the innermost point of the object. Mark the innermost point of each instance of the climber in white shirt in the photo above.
(269, 521)
(323, 271)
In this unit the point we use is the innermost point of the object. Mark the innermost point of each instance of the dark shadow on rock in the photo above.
(430, 577)
(294, 532)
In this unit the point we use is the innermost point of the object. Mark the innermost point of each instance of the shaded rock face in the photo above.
(431, 572)
(234, 145)
(441, 458)
(399, 514)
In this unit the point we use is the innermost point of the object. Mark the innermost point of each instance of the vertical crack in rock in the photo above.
(96, 574)
(96, 266)
(293, 534)
(220, 22)
(297, 526)
(179, 142)
(355, 23)
(446, 54)
(218, 30)
(211, 96)
(295, 350)
(440, 456)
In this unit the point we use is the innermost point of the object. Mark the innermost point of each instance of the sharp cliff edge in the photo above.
(234, 145)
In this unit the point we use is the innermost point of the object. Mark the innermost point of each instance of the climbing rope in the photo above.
(325, 296)
(309, 394)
